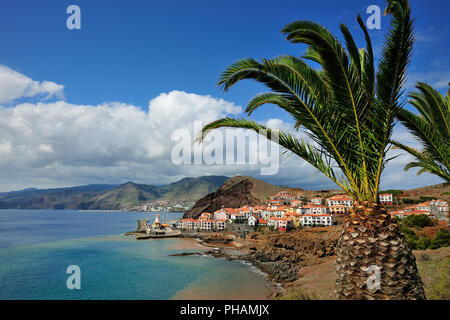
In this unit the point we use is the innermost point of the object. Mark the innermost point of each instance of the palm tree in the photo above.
(348, 114)
(431, 128)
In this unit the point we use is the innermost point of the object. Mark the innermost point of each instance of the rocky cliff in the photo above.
(234, 193)
(282, 255)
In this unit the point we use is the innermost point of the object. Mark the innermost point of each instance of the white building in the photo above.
(236, 217)
(202, 225)
(221, 214)
(439, 209)
(315, 209)
(283, 195)
(316, 220)
(340, 199)
(386, 198)
(281, 224)
(425, 206)
(253, 221)
(190, 224)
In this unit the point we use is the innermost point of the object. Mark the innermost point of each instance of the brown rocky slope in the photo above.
(282, 255)
(234, 193)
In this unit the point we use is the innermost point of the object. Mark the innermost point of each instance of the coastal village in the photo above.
(286, 211)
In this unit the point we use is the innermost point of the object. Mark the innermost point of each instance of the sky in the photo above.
(99, 104)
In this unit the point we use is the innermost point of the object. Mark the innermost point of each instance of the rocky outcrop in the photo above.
(234, 193)
(282, 255)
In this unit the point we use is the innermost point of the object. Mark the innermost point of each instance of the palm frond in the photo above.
(430, 128)
(347, 111)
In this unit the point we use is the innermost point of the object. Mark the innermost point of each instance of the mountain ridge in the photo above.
(110, 197)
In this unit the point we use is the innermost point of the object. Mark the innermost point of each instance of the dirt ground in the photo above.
(317, 281)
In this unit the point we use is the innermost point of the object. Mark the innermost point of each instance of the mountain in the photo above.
(236, 192)
(110, 197)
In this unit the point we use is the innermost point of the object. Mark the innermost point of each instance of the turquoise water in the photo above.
(37, 246)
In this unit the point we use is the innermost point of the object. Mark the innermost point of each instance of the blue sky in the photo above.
(132, 51)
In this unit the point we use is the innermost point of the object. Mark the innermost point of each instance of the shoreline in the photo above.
(222, 246)
(279, 257)
(234, 252)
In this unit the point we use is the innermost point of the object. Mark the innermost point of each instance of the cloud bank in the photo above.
(54, 144)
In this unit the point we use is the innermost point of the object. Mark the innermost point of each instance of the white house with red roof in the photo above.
(340, 199)
(425, 206)
(253, 220)
(386, 198)
(203, 225)
(282, 224)
(221, 214)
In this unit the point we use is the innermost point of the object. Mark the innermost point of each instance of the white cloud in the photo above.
(54, 144)
(14, 85)
(437, 79)
(62, 143)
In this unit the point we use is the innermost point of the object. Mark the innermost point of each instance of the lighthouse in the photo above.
(156, 224)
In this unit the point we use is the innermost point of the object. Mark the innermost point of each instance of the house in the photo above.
(246, 211)
(316, 220)
(276, 204)
(190, 224)
(340, 199)
(285, 224)
(270, 212)
(253, 220)
(203, 225)
(291, 209)
(339, 209)
(283, 195)
(316, 209)
(424, 206)
(318, 200)
(237, 217)
(262, 222)
(296, 203)
(386, 198)
(221, 214)
(206, 216)
(282, 224)
(439, 209)
(295, 217)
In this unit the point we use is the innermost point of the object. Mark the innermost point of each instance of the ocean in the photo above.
(37, 246)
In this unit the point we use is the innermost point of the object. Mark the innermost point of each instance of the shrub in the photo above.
(423, 198)
(442, 238)
(418, 221)
(410, 201)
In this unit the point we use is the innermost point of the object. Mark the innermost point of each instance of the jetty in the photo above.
(158, 235)
(155, 231)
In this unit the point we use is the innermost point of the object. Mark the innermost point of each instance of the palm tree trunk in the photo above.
(373, 259)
